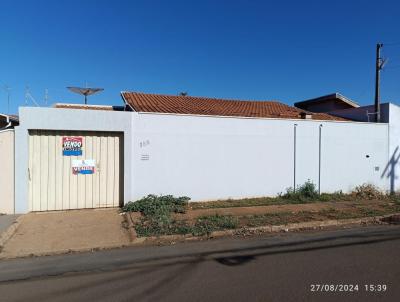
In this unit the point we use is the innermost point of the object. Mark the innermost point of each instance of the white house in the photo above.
(75, 156)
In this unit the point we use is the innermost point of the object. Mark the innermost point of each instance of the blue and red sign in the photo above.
(84, 166)
(72, 146)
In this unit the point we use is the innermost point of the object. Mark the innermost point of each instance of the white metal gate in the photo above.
(55, 185)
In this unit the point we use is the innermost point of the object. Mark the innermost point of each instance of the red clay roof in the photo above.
(143, 102)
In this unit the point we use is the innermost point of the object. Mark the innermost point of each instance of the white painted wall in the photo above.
(211, 158)
(390, 113)
(208, 158)
(7, 172)
(392, 170)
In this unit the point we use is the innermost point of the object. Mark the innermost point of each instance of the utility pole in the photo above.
(378, 67)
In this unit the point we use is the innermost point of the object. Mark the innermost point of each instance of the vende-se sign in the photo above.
(84, 166)
(72, 146)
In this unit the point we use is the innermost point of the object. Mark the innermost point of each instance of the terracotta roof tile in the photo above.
(143, 102)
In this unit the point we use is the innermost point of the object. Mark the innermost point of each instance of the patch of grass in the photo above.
(266, 219)
(228, 203)
(157, 218)
(157, 214)
(151, 227)
(205, 225)
(395, 198)
(267, 201)
(336, 214)
(304, 216)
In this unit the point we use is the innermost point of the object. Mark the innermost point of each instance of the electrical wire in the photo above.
(391, 44)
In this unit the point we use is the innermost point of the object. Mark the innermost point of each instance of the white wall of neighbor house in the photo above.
(220, 157)
(7, 172)
(364, 113)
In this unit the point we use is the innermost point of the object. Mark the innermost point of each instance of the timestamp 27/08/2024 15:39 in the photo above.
(348, 287)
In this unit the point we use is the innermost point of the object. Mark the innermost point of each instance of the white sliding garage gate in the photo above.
(89, 176)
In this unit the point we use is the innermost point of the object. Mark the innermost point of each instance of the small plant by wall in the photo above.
(304, 192)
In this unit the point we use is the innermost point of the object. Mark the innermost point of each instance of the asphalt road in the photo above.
(282, 267)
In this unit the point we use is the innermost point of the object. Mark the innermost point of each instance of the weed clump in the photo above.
(157, 214)
(205, 225)
(305, 192)
(367, 191)
(157, 218)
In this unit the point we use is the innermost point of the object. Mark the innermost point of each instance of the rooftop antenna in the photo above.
(46, 96)
(7, 90)
(85, 91)
(28, 95)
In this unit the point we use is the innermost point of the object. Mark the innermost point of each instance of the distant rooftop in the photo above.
(12, 117)
(156, 103)
(333, 96)
(88, 107)
(8, 121)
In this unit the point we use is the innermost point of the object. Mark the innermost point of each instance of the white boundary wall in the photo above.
(215, 157)
(390, 113)
(207, 157)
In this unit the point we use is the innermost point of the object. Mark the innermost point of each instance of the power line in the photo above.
(392, 67)
(392, 44)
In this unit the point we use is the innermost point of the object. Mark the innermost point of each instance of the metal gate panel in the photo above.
(53, 186)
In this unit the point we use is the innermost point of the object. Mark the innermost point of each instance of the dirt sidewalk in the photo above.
(60, 232)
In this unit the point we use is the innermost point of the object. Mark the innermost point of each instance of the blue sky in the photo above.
(284, 50)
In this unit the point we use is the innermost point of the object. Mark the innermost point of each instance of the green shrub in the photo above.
(157, 213)
(206, 224)
(306, 191)
(155, 205)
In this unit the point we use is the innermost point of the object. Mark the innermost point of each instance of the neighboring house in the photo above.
(7, 124)
(327, 103)
(8, 121)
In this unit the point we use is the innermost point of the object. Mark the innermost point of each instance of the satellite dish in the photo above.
(85, 91)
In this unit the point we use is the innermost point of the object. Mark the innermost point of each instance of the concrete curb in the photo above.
(172, 239)
(66, 251)
(7, 234)
(131, 227)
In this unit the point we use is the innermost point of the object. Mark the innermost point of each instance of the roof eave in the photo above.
(126, 102)
(328, 96)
